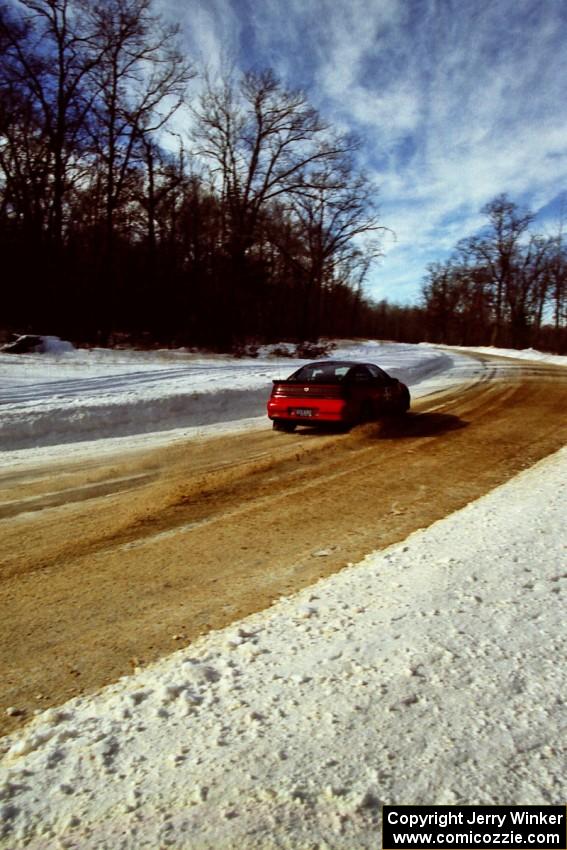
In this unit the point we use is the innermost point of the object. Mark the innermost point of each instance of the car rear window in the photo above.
(376, 372)
(321, 373)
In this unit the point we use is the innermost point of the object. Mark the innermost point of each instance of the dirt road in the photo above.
(107, 565)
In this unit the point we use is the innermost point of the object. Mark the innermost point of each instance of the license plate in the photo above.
(302, 411)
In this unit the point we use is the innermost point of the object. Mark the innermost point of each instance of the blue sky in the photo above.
(456, 101)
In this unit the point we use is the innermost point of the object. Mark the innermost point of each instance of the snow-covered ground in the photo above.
(83, 400)
(54, 399)
(432, 672)
(523, 354)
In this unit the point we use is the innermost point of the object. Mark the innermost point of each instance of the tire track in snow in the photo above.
(227, 525)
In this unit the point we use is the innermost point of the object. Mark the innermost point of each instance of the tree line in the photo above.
(130, 206)
(505, 286)
(251, 221)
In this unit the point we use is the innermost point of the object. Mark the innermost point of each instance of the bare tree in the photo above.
(49, 64)
(499, 283)
(498, 250)
(335, 208)
(441, 296)
(557, 272)
(24, 144)
(140, 82)
(266, 145)
(260, 138)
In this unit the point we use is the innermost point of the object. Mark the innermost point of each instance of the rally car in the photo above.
(335, 391)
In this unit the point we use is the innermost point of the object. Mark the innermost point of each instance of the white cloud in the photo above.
(455, 102)
(210, 30)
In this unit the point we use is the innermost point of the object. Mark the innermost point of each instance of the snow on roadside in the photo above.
(48, 400)
(428, 673)
(517, 354)
(83, 402)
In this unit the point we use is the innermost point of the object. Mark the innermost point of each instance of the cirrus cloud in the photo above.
(455, 102)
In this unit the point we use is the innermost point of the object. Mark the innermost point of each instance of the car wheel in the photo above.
(283, 425)
(403, 403)
(366, 412)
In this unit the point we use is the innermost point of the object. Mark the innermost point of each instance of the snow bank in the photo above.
(37, 344)
(55, 345)
(523, 354)
(99, 418)
(429, 673)
(48, 400)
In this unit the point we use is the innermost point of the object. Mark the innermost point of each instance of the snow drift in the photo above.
(428, 673)
(47, 400)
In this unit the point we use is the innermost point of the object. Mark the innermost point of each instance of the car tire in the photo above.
(366, 412)
(403, 404)
(283, 425)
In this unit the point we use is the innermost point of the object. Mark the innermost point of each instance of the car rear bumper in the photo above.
(321, 410)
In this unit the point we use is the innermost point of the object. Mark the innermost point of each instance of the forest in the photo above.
(136, 204)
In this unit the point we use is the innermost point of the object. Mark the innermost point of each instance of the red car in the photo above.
(336, 391)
